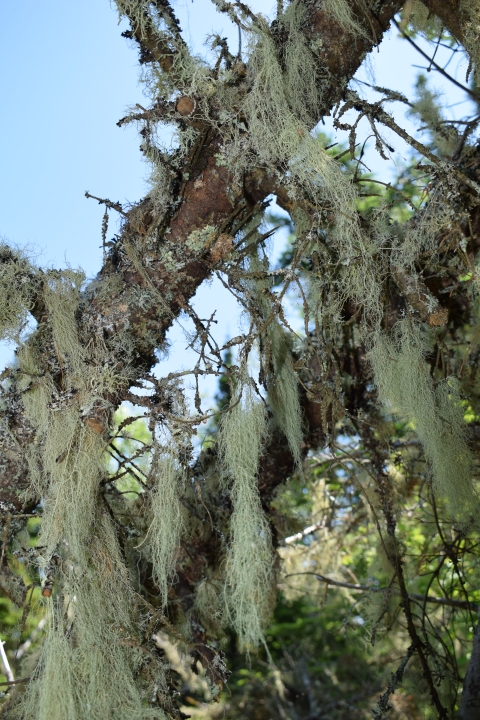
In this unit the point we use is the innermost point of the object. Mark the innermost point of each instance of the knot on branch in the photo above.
(185, 105)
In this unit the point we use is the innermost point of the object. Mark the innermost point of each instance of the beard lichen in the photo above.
(91, 664)
(91, 656)
(87, 666)
(434, 411)
(249, 560)
(427, 108)
(168, 522)
(281, 378)
(18, 282)
(420, 18)
(283, 391)
(341, 11)
(470, 13)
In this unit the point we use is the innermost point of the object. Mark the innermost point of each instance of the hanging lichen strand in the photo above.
(280, 108)
(91, 658)
(249, 561)
(406, 387)
(282, 381)
(87, 667)
(342, 12)
(67, 404)
(17, 281)
(470, 13)
(283, 390)
(427, 107)
(264, 117)
(168, 522)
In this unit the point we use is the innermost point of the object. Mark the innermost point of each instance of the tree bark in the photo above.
(206, 195)
(171, 271)
(470, 699)
(209, 196)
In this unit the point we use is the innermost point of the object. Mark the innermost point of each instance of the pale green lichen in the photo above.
(420, 18)
(283, 382)
(66, 405)
(249, 561)
(283, 391)
(18, 282)
(405, 385)
(168, 522)
(264, 121)
(470, 14)
(428, 109)
(202, 238)
(209, 605)
(90, 657)
(342, 13)
(62, 298)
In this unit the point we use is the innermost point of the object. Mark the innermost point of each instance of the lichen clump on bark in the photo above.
(261, 110)
(17, 282)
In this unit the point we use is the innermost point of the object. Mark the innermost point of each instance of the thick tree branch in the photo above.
(209, 197)
(154, 269)
(449, 13)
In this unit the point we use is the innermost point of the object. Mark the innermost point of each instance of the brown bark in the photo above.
(171, 271)
(470, 699)
(209, 197)
(342, 52)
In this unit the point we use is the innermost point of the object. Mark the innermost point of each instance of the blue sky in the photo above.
(68, 77)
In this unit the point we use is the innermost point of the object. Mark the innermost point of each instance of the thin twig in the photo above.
(108, 203)
(16, 682)
(460, 604)
(472, 93)
(6, 664)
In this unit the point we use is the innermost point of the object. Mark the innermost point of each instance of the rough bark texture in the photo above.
(470, 702)
(211, 196)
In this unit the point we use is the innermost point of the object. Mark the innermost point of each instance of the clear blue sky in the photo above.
(67, 77)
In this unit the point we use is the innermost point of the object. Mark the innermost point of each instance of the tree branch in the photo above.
(470, 698)
(460, 604)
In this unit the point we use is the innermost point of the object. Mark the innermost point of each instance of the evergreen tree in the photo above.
(341, 460)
